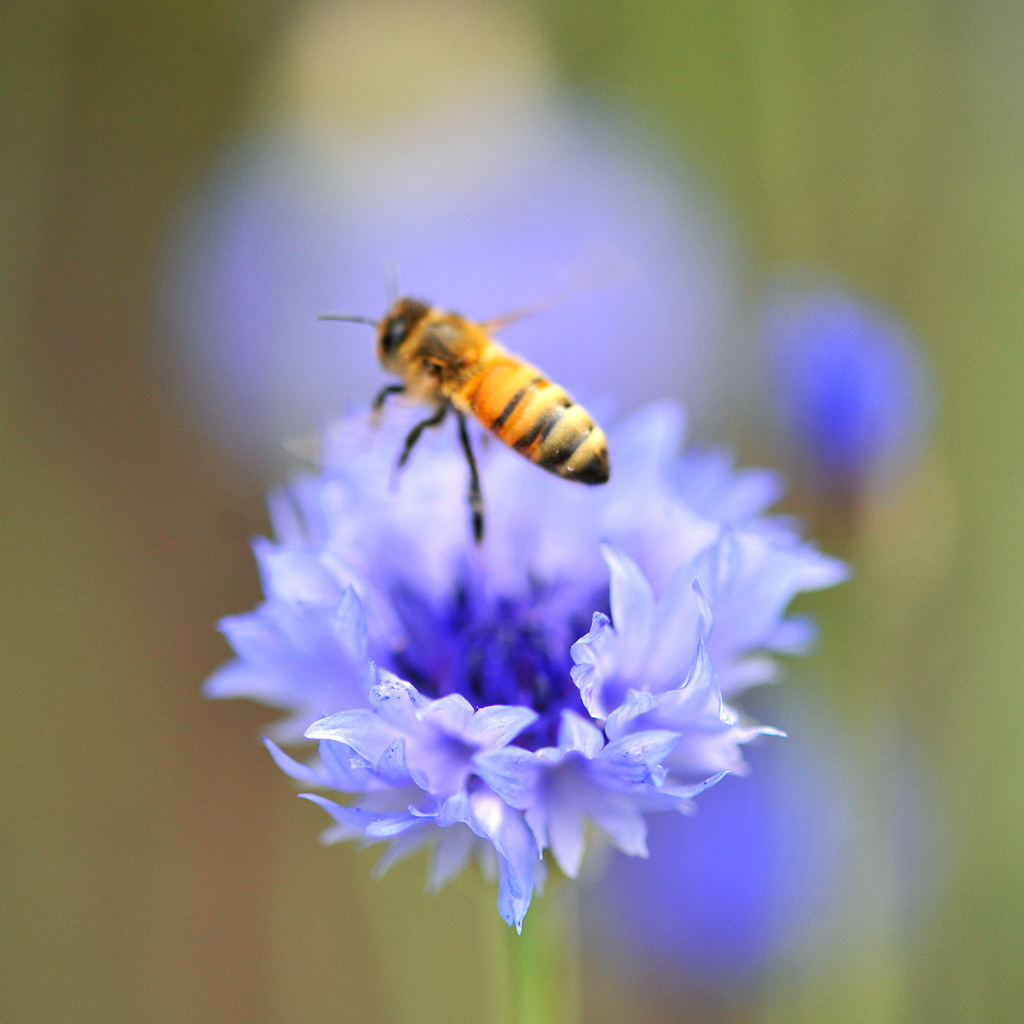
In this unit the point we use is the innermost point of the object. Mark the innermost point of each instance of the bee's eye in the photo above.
(395, 334)
(402, 319)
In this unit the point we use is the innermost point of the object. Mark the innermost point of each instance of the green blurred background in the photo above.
(155, 868)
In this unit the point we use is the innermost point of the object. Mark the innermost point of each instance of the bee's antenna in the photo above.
(349, 319)
(391, 268)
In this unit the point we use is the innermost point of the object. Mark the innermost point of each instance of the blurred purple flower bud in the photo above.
(852, 390)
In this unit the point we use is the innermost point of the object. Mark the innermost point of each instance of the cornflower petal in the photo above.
(511, 772)
(349, 625)
(345, 769)
(637, 703)
(576, 733)
(749, 579)
(397, 702)
(492, 819)
(636, 757)
(451, 853)
(495, 726)
(698, 699)
(452, 714)
(381, 825)
(392, 766)
(683, 620)
(632, 604)
(565, 836)
(409, 841)
(368, 734)
(625, 825)
(298, 771)
(592, 655)
(295, 576)
(711, 485)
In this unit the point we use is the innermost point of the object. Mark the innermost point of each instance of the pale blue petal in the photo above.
(594, 659)
(295, 575)
(370, 823)
(683, 619)
(712, 486)
(487, 859)
(707, 751)
(297, 770)
(349, 625)
(637, 702)
(408, 842)
(565, 836)
(517, 864)
(689, 792)
(385, 826)
(450, 855)
(632, 758)
(455, 809)
(345, 775)
(256, 638)
(576, 733)
(236, 679)
(624, 824)
(649, 440)
(368, 734)
(747, 672)
(536, 818)
(338, 833)
(392, 767)
(750, 578)
(511, 772)
(497, 725)
(698, 700)
(793, 635)
(513, 896)
(632, 606)
(396, 701)
(492, 819)
(353, 817)
(284, 517)
(451, 714)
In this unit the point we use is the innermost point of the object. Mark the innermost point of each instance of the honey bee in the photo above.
(449, 362)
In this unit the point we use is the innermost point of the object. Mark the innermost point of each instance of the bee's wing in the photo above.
(499, 323)
(601, 269)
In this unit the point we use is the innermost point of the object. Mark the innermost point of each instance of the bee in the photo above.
(451, 363)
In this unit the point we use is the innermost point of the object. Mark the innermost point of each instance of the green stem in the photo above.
(545, 960)
(535, 977)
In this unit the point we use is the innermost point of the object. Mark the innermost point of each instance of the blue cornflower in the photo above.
(575, 668)
(852, 388)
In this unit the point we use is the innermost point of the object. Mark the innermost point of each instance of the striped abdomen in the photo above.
(536, 418)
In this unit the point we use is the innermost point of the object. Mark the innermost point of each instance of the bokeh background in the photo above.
(185, 186)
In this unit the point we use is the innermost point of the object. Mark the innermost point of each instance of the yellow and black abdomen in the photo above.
(535, 417)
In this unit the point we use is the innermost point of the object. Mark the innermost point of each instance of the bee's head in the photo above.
(398, 323)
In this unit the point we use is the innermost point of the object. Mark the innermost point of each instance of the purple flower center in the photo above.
(495, 651)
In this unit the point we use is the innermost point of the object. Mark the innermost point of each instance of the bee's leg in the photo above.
(476, 498)
(382, 397)
(414, 434)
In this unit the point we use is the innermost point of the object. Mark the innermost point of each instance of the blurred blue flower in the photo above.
(852, 388)
(457, 693)
(742, 885)
(565, 201)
